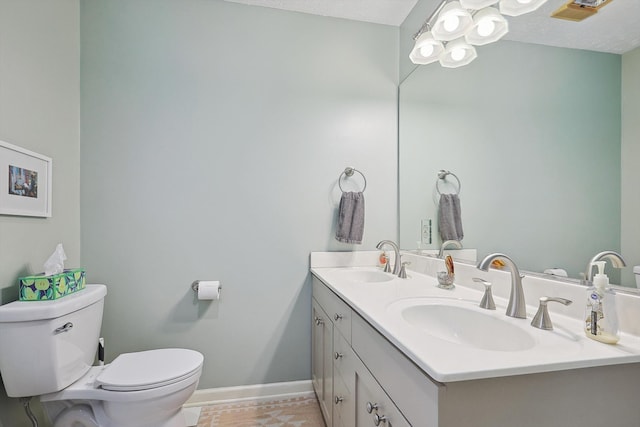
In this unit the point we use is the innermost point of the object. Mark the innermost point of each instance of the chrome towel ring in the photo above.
(348, 172)
(442, 175)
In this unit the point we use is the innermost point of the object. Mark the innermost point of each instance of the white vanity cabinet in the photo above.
(361, 379)
(331, 319)
(351, 396)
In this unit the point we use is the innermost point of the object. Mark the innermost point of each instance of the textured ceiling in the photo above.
(615, 28)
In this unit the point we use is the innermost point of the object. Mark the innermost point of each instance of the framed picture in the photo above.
(25, 182)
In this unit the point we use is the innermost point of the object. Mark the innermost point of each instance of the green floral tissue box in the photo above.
(45, 288)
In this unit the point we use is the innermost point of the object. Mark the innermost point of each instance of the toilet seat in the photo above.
(149, 369)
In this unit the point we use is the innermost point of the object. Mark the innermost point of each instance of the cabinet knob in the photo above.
(377, 419)
(372, 407)
(337, 317)
(339, 399)
(338, 355)
(319, 321)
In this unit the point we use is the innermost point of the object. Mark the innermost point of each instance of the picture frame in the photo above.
(26, 182)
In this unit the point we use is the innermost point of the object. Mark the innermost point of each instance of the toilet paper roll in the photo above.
(556, 272)
(208, 290)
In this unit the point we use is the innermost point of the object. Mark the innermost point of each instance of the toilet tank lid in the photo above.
(636, 269)
(26, 311)
(149, 369)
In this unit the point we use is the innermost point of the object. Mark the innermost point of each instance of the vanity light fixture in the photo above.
(453, 22)
(519, 7)
(488, 27)
(477, 4)
(457, 53)
(426, 50)
(448, 34)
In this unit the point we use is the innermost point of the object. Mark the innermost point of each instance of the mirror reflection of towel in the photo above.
(450, 217)
(350, 218)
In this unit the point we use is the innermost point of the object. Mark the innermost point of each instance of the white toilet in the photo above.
(47, 349)
(636, 272)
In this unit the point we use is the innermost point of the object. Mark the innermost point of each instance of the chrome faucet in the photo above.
(517, 307)
(616, 260)
(447, 243)
(396, 250)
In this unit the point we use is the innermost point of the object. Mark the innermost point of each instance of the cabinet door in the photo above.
(373, 406)
(321, 360)
(339, 312)
(316, 347)
(343, 404)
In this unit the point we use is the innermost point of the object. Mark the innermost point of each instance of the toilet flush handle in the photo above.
(64, 328)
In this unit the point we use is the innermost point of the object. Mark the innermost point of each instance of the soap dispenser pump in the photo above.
(601, 320)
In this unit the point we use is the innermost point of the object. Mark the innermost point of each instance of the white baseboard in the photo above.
(285, 390)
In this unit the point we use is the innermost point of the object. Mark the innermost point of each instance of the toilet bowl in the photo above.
(145, 389)
(47, 349)
(636, 272)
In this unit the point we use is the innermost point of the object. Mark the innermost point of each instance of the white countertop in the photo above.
(566, 347)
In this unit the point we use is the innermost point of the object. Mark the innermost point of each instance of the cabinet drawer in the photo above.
(373, 406)
(344, 358)
(343, 402)
(411, 389)
(338, 311)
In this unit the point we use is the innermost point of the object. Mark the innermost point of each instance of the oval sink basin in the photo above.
(361, 275)
(460, 322)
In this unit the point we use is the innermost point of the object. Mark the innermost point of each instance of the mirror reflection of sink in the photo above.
(364, 275)
(460, 322)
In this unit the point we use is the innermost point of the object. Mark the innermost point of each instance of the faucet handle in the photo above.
(387, 266)
(487, 299)
(542, 320)
(403, 270)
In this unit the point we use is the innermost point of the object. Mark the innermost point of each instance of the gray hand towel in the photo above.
(450, 217)
(350, 218)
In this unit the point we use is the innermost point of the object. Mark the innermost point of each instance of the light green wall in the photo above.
(533, 134)
(213, 135)
(630, 159)
(39, 110)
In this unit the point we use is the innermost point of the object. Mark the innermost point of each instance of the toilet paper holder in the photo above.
(195, 285)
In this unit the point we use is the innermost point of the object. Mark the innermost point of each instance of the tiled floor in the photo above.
(295, 412)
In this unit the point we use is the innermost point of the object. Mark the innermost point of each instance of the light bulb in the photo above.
(486, 27)
(457, 54)
(451, 22)
(426, 50)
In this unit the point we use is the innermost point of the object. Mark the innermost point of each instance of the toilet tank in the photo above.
(47, 345)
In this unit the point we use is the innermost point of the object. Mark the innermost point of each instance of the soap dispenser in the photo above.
(601, 319)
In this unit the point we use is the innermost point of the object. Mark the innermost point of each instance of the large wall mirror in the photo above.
(533, 134)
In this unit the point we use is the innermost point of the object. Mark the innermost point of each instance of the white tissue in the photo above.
(208, 290)
(556, 272)
(55, 263)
